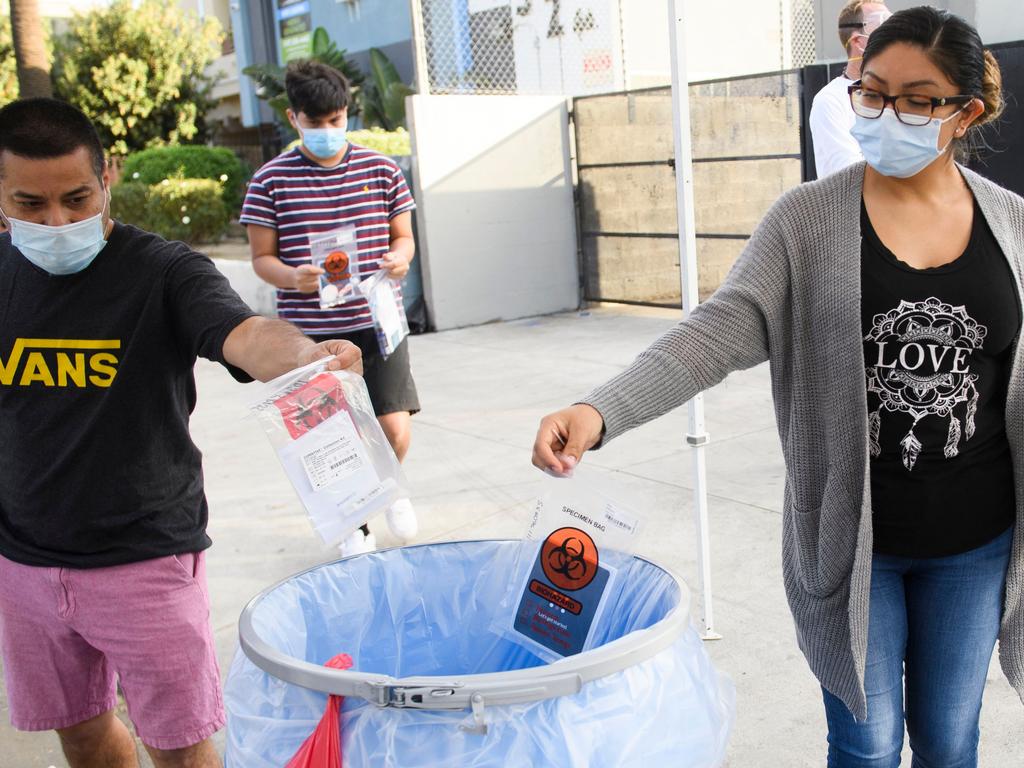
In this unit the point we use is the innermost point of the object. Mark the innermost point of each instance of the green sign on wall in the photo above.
(296, 29)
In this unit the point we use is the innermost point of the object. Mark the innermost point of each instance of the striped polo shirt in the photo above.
(304, 200)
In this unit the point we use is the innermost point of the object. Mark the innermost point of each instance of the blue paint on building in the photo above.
(355, 26)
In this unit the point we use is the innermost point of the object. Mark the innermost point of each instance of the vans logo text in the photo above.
(65, 363)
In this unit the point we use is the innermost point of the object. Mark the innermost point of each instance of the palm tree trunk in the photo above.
(30, 49)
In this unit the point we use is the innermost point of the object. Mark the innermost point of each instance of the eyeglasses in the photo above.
(909, 109)
(871, 22)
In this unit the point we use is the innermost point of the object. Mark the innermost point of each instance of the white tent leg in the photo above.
(696, 436)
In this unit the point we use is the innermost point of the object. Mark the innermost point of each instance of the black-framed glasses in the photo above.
(910, 109)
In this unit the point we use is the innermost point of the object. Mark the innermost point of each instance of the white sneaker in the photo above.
(402, 520)
(357, 543)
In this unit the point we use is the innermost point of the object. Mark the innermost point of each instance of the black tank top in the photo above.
(938, 348)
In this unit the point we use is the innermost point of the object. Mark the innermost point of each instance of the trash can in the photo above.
(432, 685)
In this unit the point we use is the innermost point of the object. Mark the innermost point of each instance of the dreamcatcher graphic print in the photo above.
(922, 368)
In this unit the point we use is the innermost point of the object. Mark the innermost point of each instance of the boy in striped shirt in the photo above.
(308, 192)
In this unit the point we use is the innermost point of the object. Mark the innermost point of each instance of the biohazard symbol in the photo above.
(315, 410)
(569, 558)
(336, 265)
(311, 405)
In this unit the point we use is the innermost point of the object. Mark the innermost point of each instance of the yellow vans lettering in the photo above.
(8, 369)
(72, 359)
(103, 364)
(36, 370)
(68, 370)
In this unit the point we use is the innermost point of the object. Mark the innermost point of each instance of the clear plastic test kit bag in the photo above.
(337, 254)
(578, 539)
(327, 438)
(389, 320)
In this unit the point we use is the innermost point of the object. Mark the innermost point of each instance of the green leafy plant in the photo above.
(151, 166)
(128, 201)
(383, 99)
(269, 78)
(137, 69)
(191, 210)
(395, 143)
(8, 66)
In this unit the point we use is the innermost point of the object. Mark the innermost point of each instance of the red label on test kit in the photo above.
(312, 404)
(336, 265)
(569, 558)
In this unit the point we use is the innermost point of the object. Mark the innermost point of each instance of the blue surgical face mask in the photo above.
(62, 250)
(324, 143)
(895, 149)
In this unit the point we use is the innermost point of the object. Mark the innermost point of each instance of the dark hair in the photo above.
(46, 128)
(953, 46)
(315, 89)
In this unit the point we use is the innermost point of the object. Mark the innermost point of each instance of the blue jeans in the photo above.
(936, 619)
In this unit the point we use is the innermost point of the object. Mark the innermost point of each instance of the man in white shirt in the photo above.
(831, 113)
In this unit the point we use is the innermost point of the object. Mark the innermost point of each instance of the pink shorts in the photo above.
(69, 635)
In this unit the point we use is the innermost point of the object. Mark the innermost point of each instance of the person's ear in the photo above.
(974, 109)
(858, 42)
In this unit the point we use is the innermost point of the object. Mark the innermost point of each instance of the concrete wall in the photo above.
(1000, 21)
(496, 216)
(259, 295)
(731, 196)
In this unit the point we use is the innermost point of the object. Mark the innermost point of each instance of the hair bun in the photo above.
(991, 90)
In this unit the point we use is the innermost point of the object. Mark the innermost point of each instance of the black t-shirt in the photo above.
(937, 346)
(97, 467)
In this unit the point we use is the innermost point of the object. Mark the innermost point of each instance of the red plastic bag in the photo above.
(323, 747)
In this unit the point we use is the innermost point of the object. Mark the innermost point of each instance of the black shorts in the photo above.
(389, 381)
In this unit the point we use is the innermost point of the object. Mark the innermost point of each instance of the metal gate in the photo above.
(746, 152)
(750, 145)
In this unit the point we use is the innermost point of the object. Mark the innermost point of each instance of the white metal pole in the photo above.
(696, 435)
(419, 46)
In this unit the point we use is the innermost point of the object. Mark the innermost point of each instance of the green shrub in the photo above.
(128, 202)
(393, 143)
(190, 162)
(192, 210)
(137, 68)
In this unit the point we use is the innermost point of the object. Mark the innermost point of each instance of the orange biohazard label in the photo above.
(569, 558)
(336, 265)
(312, 404)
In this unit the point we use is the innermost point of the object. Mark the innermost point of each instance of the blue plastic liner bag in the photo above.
(432, 685)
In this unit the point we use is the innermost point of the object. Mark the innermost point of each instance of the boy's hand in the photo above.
(307, 278)
(396, 265)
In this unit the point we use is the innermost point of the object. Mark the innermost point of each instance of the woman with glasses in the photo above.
(887, 298)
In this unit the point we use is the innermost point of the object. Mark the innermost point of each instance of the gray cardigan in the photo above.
(793, 298)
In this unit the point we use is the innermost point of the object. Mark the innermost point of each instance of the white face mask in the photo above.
(62, 250)
(895, 149)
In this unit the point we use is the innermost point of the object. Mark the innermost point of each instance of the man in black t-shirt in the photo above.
(102, 510)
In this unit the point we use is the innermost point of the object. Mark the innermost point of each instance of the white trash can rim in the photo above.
(562, 678)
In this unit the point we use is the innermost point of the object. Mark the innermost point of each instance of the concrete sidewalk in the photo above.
(483, 391)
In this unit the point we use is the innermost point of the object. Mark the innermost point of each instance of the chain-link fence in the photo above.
(566, 47)
(802, 34)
